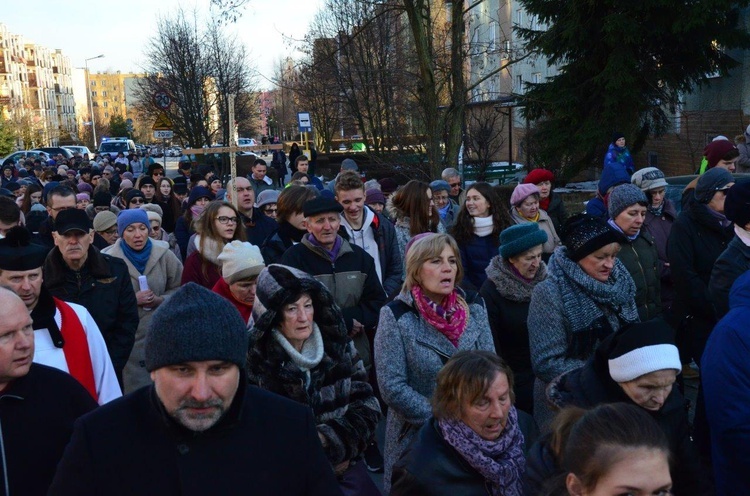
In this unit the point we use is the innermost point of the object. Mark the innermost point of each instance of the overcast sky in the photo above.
(120, 29)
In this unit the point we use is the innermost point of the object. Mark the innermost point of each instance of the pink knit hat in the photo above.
(522, 192)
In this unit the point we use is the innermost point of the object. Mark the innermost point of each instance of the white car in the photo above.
(83, 150)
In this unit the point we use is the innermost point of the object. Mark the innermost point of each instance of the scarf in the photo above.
(742, 234)
(288, 232)
(501, 462)
(222, 289)
(197, 211)
(509, 283)
(532, 219)
(719, 217)
(449, 317)
(139, 259)
(614, 226)
(544, 203)
(656, 211)
(333, 252)
(311, 354)
(483, 226)
(444, 211)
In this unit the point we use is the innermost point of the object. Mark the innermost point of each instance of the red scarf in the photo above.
(448, 317)
(222, 289)
(76, 348)
(544, 203)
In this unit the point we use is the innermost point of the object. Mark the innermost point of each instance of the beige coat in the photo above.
(164, 272)
(545, 224)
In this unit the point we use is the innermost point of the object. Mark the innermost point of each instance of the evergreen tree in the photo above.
(118, 126)
(623, 67)
(7, 138)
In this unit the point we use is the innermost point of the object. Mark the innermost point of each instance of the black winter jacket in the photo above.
(259, 228)
(37, 413)
(641, 259)
(104, 288)
(557, 212)
(730, 265)
(276, 244)
(264, 445)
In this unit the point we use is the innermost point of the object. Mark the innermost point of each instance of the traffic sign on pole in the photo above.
(163, 134)
(162, 123)
(162, 100)
(305, 124)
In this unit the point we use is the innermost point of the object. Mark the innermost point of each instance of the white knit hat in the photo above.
(240, 260)
(641, 348)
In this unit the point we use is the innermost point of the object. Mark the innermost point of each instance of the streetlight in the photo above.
(91, 103)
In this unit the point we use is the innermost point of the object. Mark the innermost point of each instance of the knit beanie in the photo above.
(710, 182)
(133, 193)
(102, 199)
(126, 183)
(521, 192)
(537, 176)
(388, 185)
(649, 178)
(374, 196)
(349, 164)
(519, 238)
(197, 193)
(104, 220)
(131, 216)
(146, 180)
(623, 196)
(440, 185)
(641, 348)
(85, 188)
(584, 234)
(266, 197)
(617, 135)
(240, 260)
(737, 204)
(153, 216)
(82, 197)
(717, 150)
(195, 325)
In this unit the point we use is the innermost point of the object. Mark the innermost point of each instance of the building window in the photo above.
(519, 85)
(105, 104)
(104, 93)
(106, 114)
(492, 46)
(104, 83)
(93, 93)
(93, 83)
(653, 159)
(536, 78)
(519, 17)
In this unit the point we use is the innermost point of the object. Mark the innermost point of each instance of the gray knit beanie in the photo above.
(195, 325)
(624, 196)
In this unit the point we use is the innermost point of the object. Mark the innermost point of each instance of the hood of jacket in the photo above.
(508, 284)
(612, 175)
(211, 249)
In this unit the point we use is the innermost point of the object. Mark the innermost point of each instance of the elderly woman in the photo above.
(548, 200)
(587, 296)
(299, 348)
(292, 224)
(162, 270)
(511, 277)
(627, 211)
(639, 365)
(427, 323)
(447, 208)
(524, 204)
(241, 263)
(477, 232)
(473, 444)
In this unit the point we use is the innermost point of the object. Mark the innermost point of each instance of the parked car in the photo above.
(676, 185)
(83, 150)
(15, 157)
(54, 150)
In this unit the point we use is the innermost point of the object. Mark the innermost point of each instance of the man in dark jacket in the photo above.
(199, 429)
(369, 230)
(258, 225)
(76, 272)
(38, 405)
(346, 269)
(58, 199)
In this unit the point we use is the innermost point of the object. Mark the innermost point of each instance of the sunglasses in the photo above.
(137, 201)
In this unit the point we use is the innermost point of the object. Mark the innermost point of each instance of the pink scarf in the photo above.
(448, 317)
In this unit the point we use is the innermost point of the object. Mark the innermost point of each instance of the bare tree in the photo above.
(484, 136)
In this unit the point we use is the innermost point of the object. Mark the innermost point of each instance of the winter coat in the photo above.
(743, 163)
(569, 313)
(725, 376)
(345, 409)
(183, 232)
(163, 272)
(659, 229)
(730, 265)
(389, 256)
(402, 226)
(276, 244)
(450, 215)
(545, 224)
(432, 467)
(103, 287)
(475, 257)
(619, 157)
(542, 469)
(265, 444)
(592, 385)
(44, 235)
(695, 242)
(556, 211)
(642, 262)
(37, 413)
(260, 228)
(260, 186)
(202, 267)
(507, 298)
(409, 352)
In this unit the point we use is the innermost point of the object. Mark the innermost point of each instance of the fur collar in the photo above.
(508, 284)
(211, 249)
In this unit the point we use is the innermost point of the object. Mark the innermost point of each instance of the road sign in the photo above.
(162, 123)
(162, 100)
(305, 124)
(163, 134)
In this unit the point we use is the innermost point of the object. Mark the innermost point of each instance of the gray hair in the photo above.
(448, 173)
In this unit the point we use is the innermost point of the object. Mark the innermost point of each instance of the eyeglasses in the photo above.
(270, 210)
(112, 230)
(227, 220)
(137, 201)
(454, 185)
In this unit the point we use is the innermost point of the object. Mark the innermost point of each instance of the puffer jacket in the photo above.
(641, 259)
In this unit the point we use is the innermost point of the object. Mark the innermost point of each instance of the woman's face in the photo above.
(165, 188)
(529, 207)
(650, 391)
(476, 204)
(202, 202)
(82, 204)
(226, 223)
(136, 202)
(215, 185)
(657, 196)
(297, 321)
(298, 221)
(631, 219)
(599, 264)
(544, 188)
(36, 197)
(377, 207)
(155, 229)
(638, 472)
(527, 263)
(620, 142)
(488, 414)
(244, 290)
(437, 276)
(440, 198)
(110, 235)
(135, 235)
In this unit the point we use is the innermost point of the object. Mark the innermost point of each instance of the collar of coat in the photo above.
(508, 284)
(345, 248)
(55, 267)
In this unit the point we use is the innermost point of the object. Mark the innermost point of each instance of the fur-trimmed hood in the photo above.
(211, 249)
(508, 284)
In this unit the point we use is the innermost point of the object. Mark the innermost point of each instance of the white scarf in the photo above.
(483, 226)
(742, 234)
(311, 354)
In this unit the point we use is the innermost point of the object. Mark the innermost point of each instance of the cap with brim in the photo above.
(17, 253)
(72, 219)
(713, 180)
(321, 205)
(267, 197)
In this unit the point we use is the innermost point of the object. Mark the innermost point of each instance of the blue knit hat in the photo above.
(519, 238)
(440, 185)
(195, 325)
(131, 216)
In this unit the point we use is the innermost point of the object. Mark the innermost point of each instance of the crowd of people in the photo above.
(181, 335)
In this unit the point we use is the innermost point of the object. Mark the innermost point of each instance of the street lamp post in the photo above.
(91, 102)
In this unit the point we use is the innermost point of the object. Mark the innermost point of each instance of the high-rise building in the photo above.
(115, 93)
